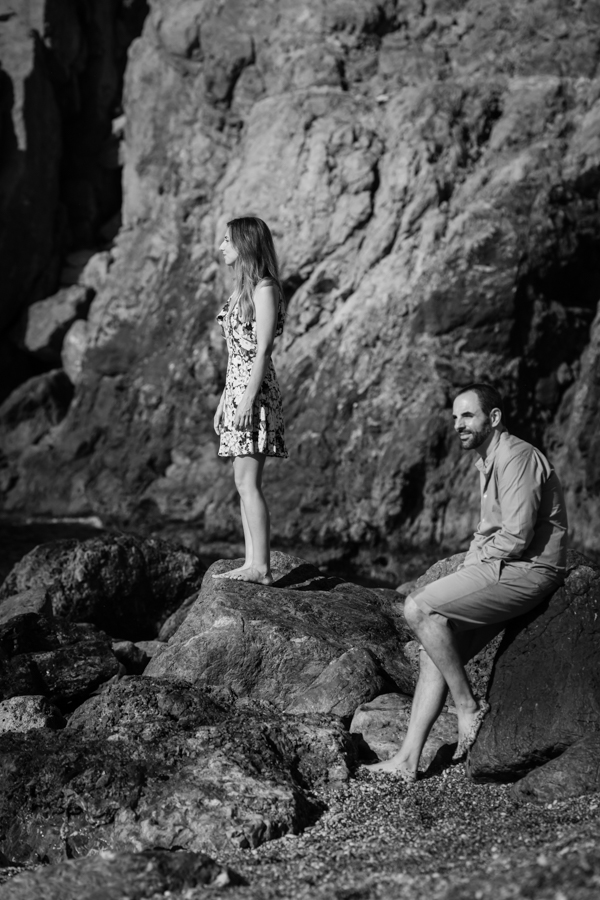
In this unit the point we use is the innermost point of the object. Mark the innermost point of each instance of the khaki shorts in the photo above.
(486, 593)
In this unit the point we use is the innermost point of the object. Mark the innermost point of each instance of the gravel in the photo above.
(444, 837)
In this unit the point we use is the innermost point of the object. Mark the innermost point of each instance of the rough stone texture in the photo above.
(65, 662)
(29, 414)
(132, 657)
(37, 600)
(152, 763)
(60, 87)
(171, 624)
(42, 327)
(22, 714)
(306, 643)
(121, 583)
(112, 876)
(545, 687)
(381, 726)
(73, 349)
(430, 171)
(575, 772)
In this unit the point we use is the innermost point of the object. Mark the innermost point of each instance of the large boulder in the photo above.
(153, 763)
(573, 773)
(306, 644)
(125, 585)
(545, 686)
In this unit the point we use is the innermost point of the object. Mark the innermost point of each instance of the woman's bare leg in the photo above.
(248, 471)
(248, 548)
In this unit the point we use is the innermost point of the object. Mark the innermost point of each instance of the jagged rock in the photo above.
(573, 773)
(20, 714)
(31, 411)
(73, 349)
(171, 624)
(445, 232)
(306, 643)
(43, 326)
(65, 662)
(62, 70)
(151, 762)
(123, 584)
(112, 876)
(72, 673)
(381, 726)
(37, 601)
(545, 686)
(132, 657)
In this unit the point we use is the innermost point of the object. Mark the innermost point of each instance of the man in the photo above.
(516, 558)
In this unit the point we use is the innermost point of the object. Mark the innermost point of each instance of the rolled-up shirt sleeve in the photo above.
(520, 484)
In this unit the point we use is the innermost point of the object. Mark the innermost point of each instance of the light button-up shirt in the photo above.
(523, 514)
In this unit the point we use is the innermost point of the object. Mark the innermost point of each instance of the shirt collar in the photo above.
(484, 465)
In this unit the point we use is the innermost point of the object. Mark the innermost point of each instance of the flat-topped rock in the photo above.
(306, 643)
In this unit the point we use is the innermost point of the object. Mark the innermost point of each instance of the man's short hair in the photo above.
(489, 398)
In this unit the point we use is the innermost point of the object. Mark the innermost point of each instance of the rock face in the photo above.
(545, 686)
(151, 763)
(430, 173)
(60, 87)
(42, 327)
(121, 583)
(306, 644)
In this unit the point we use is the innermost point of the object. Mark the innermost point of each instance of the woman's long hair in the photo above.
(256, 260)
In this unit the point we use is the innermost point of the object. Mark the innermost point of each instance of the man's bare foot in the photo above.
(251, 574)
(468, 729)
(394, 766)
(231, 572)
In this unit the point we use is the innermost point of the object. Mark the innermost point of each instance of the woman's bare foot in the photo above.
(396, 765)
(251, 574)
(231, 572)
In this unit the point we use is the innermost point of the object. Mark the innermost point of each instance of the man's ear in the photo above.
(496, 417)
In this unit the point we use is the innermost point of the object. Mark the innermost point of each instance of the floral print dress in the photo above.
(267, 432)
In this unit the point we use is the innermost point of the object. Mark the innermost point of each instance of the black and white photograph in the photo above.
(300, 449)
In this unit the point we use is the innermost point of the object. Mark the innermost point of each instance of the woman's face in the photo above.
(229, 252)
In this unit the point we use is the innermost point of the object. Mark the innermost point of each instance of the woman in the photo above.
(249, 417)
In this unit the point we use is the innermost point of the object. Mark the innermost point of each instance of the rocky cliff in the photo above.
(431, 172)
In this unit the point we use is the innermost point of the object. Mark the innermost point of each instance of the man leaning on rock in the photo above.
(516, 558)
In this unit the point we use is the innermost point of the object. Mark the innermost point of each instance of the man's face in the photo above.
(471, 424)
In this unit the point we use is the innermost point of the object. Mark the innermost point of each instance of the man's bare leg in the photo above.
(443, 649)
(428, 702)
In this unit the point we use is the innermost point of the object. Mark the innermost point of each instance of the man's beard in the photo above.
(474, 439)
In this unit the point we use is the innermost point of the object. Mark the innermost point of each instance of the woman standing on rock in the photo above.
(249, 418)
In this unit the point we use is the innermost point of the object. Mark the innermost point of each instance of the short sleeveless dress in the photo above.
(267, 432)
